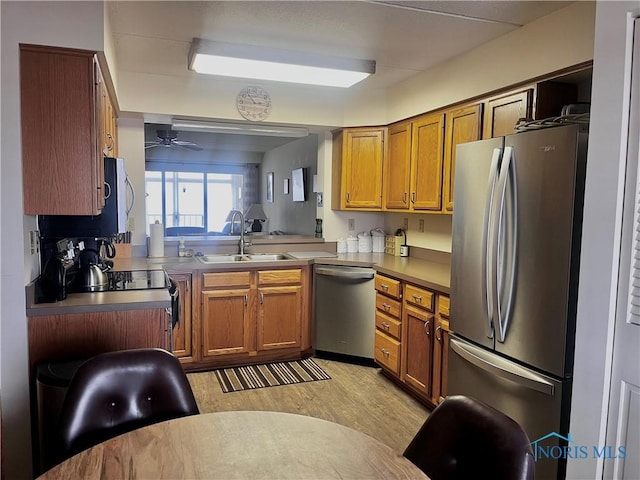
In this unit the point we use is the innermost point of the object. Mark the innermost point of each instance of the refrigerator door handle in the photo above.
(488, 245)
(494, 365)
(505, 241)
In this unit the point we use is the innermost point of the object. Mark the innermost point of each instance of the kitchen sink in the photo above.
(251, 257)
(220, 258)
(266, 257)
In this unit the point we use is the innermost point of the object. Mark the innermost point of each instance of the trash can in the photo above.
(52, 381)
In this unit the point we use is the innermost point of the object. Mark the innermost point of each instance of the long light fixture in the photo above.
(238, 128)
(246, 61)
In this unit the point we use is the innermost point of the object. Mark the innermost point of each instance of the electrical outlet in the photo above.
(352, 224)
(421, 225)
(405, 224)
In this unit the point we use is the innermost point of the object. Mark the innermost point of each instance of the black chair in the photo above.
(121, 391)
(464, 438)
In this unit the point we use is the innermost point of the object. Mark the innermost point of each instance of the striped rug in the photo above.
(269, 375)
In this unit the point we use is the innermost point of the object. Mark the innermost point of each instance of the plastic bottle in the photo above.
(182, 250)
(319, 227)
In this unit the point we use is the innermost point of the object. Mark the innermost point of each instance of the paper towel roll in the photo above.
(156, 240)
(157, 279)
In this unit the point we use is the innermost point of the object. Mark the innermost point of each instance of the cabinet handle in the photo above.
(413, 197)
(261, 298)
(438, 329)
(348, 197)
(186, 286)
(384, 287)
(417, 298)
(386, 326)
(426, 327)
(385, 352)
(386, 306)
(246, 300)
(404, 197)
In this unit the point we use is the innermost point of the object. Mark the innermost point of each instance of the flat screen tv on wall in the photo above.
(298, 180)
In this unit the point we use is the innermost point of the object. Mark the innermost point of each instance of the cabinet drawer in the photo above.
(226, 279)
(443, 306)
(388, 324)
(419, 297)
(278, 277)
(387, 352)
(388, 286)
(388, 305)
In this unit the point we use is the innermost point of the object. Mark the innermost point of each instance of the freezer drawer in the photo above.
(537, 402)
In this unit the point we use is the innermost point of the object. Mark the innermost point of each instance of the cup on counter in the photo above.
(404, 250)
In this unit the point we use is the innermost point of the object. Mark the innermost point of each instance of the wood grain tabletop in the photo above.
(245, 444)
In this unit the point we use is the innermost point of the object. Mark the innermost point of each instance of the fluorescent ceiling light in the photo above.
(238, 128)
(259, 63)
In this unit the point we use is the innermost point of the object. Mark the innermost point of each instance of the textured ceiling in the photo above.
(403, 37)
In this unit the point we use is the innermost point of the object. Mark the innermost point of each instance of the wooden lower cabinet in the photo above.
(417, 349)
(254, 315)
(183, 332)
(440, 350)
(412, 337)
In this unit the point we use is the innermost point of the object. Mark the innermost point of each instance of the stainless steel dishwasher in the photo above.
(345, 312)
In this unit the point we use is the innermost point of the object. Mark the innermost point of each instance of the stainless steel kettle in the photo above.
(93, 277)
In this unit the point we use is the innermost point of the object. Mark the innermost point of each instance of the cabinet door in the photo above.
(182, 332)
(62, 172)
(362, 175)
(397, 167)
(462, 125)
(418, 349)
(279, 317)
(426, 160)
(227, 326)
(501, 114)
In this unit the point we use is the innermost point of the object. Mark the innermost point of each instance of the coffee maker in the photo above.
(58, 271)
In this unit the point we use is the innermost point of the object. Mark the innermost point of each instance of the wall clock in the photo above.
(254, 103)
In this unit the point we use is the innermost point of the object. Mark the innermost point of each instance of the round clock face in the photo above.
(254, 103)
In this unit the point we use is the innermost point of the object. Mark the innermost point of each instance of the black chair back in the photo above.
(120, 391)
(464, 438)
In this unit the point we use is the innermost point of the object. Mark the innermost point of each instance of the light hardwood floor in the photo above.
(356, 396)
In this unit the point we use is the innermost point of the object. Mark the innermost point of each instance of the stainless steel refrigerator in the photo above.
(514, 277)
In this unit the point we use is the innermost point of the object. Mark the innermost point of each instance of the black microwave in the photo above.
(119, 198)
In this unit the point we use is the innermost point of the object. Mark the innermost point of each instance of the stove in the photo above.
(137, 280)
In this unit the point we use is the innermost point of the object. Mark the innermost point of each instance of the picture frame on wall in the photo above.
(270, 187)
(298, 181)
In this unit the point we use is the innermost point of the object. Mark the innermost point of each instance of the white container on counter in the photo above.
(378, 240)
(341, 246)
(352, 244)
(364, 242)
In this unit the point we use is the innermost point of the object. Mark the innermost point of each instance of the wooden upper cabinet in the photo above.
(358, 160)
(501, 114)
(427, 145)
(62, 168)
(397, 167)
(462, 125)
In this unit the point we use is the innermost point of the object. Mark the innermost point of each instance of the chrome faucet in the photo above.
(234, 214)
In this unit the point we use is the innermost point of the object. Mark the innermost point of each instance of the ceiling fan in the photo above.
(169, 139)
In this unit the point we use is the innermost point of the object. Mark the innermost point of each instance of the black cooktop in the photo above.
(137, 279)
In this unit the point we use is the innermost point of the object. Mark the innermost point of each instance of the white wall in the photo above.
(69, 24)
(550, 43)
(285, 214)
(131, 148)
(600, 237)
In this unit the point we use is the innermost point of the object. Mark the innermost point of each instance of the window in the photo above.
(197, 196)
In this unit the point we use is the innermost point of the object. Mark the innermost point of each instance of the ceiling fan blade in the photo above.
(191, 146)
(151, 146)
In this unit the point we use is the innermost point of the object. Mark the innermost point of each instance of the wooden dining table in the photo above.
(244, 444)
